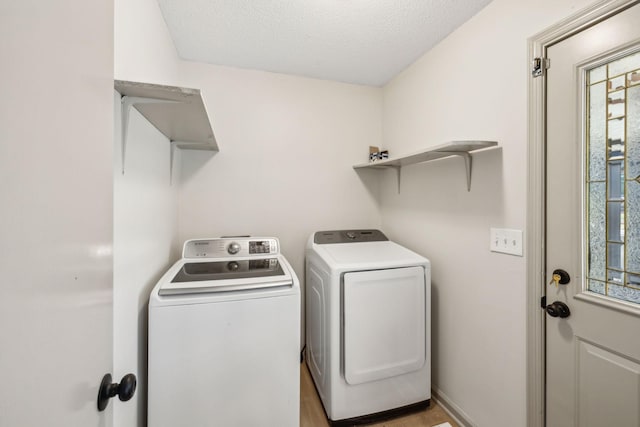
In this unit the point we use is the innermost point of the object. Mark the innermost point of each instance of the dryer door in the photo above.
(384, 323)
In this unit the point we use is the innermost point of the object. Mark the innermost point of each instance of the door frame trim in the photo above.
(536, 209)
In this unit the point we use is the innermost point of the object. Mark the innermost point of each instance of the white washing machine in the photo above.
(368, 325)
(224, 337)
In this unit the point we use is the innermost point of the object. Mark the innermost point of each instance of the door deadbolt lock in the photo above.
(558, 309)
(559, 277)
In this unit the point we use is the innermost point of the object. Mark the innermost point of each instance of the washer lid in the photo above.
(229, 275)
(234, 269)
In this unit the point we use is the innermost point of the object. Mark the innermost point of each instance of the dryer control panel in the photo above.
(348, 236)
(226, 247)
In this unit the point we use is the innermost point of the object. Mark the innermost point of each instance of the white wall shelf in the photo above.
(454, 148)
(178, 113)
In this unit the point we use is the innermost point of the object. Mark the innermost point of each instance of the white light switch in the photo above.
(506, 241)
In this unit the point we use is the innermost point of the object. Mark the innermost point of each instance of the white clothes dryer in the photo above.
(224, 337)
(367, 325)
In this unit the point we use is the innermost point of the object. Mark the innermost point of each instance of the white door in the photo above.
(593, 225)
(56, 209)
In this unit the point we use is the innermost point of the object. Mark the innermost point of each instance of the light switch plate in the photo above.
(506, 241)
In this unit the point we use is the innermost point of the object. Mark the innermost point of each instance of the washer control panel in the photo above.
(225, 247)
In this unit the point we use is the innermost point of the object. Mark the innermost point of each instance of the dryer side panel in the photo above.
(316, 324)
(384, 323)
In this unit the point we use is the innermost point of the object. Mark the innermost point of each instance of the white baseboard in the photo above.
(454, 411)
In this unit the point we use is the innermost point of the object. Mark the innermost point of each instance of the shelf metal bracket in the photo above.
(467, 163)
(398, 175)
(172, 152)
(126, 103)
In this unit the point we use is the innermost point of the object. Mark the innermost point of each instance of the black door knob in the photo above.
(558, 309)
(125, 390)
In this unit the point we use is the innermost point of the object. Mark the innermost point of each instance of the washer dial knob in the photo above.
(233, 248)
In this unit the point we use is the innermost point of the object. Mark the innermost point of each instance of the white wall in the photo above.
(473, 85)
(287, 146)
(145, 202)
(145, 236)
(144, 50)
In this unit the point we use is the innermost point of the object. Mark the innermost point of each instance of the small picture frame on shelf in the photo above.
(373, 153)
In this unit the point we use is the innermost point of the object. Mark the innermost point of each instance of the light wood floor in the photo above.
(312, 414)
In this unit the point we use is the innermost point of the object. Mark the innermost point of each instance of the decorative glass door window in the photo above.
(612, 175)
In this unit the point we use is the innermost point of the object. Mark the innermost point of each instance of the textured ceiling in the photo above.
(354, 41)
